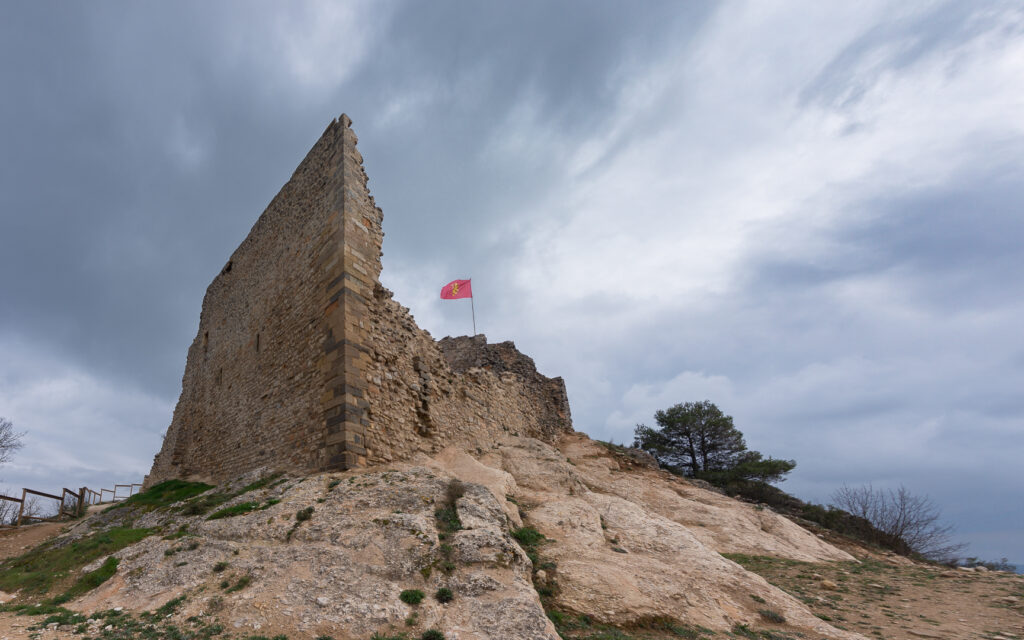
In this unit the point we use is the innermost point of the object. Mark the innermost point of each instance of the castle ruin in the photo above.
(303, 362)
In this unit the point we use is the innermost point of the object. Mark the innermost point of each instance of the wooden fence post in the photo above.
(81, 500)
(21, 509)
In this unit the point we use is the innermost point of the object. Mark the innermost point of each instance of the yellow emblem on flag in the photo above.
(455, 289)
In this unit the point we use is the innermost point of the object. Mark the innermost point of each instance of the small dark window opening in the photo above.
(257, 342)
(206, 341)
(227, 268)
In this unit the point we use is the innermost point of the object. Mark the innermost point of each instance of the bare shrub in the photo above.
(905, 518)
(70, 504)
(454, 491)
(10, 440)
(8, 509)
(39, 509)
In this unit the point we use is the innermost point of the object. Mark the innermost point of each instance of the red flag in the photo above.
(457, 289)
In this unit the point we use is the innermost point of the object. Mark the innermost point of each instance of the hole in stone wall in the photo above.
(227, 268)
(206, 341)
(257, 342)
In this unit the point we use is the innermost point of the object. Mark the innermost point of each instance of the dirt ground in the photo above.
(14, 542)
(892, 598)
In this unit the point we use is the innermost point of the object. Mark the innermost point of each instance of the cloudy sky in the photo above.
(808, 213)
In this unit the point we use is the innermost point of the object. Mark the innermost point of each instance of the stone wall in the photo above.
(551, 408)
(251, 393)
(420, 402)
(303, 361)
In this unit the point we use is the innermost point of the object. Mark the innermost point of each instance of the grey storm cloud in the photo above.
(808, 214)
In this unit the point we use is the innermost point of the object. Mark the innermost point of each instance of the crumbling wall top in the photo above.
(465, 352)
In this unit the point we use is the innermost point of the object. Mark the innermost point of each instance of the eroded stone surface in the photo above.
(633, 543)
(340, 573)
(625, 543)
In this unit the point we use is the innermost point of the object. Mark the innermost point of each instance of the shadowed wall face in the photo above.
(266, 371)
(303, 362)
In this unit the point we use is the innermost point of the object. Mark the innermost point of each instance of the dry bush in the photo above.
(903, 517)
(10, 440)
(8, 510)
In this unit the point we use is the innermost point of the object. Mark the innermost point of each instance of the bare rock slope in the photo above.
(623, 544)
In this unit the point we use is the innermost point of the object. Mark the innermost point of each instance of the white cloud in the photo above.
(640, 401)
(313, 46)
(80, 428)
(671, 217)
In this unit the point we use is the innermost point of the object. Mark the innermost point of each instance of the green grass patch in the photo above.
(528, 536)
(41, 609)
(744, 631)
(242, 583)
(411, 596)
(301, 516)
(89, 581)
(203, 504)
(37, 571)
(180, 533)
(573, 627)
(64, 617)
(443, 595)
(671, 627)
(611, 446)
(530, 540)
(163, 494)
(170, 607)
(447, 515)
(447, 520)
(242, 508)
(262, 483)
(771, 615)
(758, 564)
(121, 625)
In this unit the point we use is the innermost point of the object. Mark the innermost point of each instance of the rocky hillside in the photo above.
(517, 540)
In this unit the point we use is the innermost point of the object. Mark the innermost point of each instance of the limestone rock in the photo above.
(340, 573)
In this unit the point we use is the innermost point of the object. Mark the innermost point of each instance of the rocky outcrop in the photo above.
(631, 543)
(341, 572)
(624, 544)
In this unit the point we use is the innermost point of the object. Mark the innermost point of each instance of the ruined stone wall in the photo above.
(420, 403)
(303, 362)
(549, 404)
(352, 275)
(251, 389)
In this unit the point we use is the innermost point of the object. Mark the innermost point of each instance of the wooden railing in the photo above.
(80, 500)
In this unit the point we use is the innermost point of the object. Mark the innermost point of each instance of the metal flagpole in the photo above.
(472, 306)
